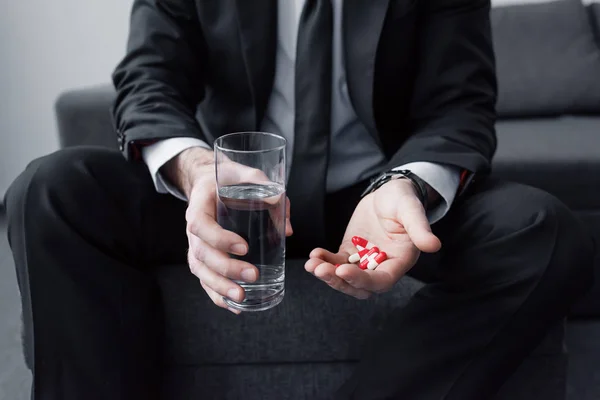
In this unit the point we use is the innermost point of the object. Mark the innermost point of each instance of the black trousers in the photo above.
(85, 228)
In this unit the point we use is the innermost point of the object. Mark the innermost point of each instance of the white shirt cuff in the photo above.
(158, 154)
(444, 179)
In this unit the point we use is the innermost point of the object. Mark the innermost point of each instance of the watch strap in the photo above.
(418, 183)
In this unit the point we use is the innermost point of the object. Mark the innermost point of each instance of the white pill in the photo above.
(354, 258)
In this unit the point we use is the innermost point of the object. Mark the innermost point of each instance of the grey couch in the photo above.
(549, 136)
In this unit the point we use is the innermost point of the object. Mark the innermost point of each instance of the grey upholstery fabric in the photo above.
(559, 155)
(584, 369)
(547, 59)
(302, 349)
(313, 324)
(83, 117)
(317, 381)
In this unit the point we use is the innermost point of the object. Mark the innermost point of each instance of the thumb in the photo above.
(289, 231)
(414, 220)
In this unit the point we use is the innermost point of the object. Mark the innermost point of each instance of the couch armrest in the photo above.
(83, 117)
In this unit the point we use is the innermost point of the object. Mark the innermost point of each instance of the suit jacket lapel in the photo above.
(362, 25)
(257, 23)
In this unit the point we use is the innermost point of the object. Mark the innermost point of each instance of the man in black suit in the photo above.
(401, 91)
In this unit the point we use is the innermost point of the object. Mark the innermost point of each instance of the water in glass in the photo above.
(255, 212)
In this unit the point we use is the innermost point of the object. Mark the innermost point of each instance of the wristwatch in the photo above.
(418, 183)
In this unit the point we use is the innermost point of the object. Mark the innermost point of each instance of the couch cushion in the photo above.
(313, 323)
(538, 377)
(559, 155)
(548, 62)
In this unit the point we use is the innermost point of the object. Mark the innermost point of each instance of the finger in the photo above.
(215, 236)
(216, 282)
(326, 272)
(355, 277)
(412, 216)
(218, 299)
(278, 215)
(312, 264)
(233, 173)
(387, 273)
(381, 280)
(254, 175)
(201, 222)
(289, 231)
(221, 263)
(330, 257)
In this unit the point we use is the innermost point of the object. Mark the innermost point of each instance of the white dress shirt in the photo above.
(354, 154)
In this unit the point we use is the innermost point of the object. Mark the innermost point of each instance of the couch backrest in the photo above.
(547, 56)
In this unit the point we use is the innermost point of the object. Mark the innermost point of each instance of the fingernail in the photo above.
(238, 249)
(233, 294)
(233, 310)
(248, 275)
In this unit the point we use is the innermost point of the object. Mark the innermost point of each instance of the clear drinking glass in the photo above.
(250, 168)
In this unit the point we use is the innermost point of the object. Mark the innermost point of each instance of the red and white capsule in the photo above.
(364, 261)
(374, 263)
(356, 257)
(362, 243)
(368, 260)
(369, 253)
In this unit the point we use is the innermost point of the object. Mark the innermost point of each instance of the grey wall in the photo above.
(46, 47)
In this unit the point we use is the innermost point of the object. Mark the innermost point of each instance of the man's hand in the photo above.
(193, 172)
(394, 219)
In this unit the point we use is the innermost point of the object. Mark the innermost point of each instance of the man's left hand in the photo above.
(392, 218)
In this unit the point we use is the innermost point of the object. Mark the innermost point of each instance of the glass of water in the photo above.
(251, 201)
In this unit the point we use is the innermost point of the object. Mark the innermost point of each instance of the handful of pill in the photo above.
(368, 256)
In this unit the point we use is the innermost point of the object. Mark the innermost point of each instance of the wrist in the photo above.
(433, 197)
(405, 185)
(187, 167)
(405, 177)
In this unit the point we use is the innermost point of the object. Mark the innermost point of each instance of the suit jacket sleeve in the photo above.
(160, 80)
(453, 104)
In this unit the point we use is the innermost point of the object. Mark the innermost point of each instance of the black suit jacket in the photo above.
(421, 74)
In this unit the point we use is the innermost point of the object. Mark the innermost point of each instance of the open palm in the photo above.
(392, 218)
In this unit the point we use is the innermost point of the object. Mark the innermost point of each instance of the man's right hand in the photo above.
(193, 172)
